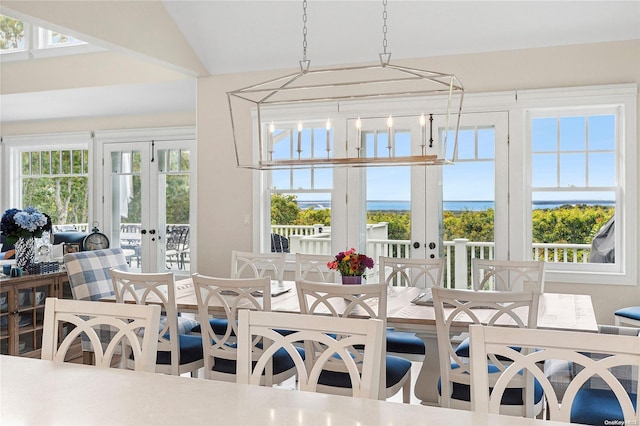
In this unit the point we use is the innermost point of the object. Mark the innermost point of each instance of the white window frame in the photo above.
(35, 45)
(14, 146)
(518, 104)
(528, 104)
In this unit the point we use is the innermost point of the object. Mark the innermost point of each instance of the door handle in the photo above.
(416, 245)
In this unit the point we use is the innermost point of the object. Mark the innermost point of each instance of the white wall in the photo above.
(225, 197)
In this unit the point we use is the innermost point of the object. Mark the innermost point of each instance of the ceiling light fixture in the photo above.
(345, 92)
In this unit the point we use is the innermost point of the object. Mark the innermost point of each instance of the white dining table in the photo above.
(37, 392)
(570, 312)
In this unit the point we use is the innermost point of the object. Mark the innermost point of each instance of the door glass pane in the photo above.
(388, 197)
(126, 205)
(174, 208)
(469, 198)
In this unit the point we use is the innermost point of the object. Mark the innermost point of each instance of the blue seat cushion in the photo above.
(404, 343)
(190, 350)
(396, 369)
(598, 407)
(511, 396)
(632, 312)
(463, 350)
(281, 362)
(218, 325)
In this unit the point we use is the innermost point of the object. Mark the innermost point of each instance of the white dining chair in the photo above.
(329, 346)
(368, 301)
(456, 308)
(596, 358)
(402, 272)
(257, 265)
(87, 318)
(178, 351)
(313, 267)
(507, 275)
(219, 335)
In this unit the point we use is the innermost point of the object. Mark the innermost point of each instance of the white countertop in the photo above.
(36, 392)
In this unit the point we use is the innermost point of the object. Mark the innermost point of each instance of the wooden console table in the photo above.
(22, 310)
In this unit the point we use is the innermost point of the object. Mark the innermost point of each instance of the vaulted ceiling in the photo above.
(199, 38)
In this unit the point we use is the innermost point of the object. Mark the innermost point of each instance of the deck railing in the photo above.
(457, 253)
(316, 239)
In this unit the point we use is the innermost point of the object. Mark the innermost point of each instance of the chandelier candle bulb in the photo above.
(391, 135)
(358, 135)
(272, 129)
(423, 132)
(328, 136)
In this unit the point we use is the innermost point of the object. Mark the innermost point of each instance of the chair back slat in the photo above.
(507, 275)
(400, 272)
(257, 265)
(313, 267)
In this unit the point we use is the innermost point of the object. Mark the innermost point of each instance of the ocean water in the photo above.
(447, 205)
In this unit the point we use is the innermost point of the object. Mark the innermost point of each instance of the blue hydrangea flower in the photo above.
(24, 224)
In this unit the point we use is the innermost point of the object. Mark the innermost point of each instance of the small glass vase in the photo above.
(25, 252)
(352, 279)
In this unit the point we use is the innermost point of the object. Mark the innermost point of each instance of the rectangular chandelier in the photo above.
(344, 90)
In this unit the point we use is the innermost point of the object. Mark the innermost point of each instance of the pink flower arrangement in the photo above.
(350, 263)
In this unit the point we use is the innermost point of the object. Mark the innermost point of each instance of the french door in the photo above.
(421, 196)
(148, 202)
(396, 192)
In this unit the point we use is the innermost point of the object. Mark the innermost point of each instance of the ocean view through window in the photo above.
(455, 206)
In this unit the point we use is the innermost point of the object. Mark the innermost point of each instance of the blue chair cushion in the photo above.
(190, 350)
(598, 407)
(463, 350)
(632, 312)
(396, 369)
(218, 325)
(281, 362)
(404, 343)
(511, 396)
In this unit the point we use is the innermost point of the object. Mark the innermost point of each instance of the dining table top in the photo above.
(76, 394)
(572, 312)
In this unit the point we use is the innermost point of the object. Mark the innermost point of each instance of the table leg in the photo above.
(426, 387)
